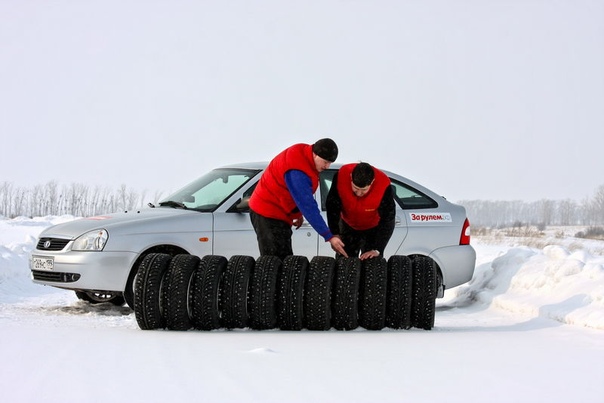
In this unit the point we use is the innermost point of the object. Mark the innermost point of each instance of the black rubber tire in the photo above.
(317, 297)
(400, 281)
(263, 293)
(372, 293)
(290, 293)
(178, 291)
(148, 304)
(346, 293)
(234, 292)
(423, 302)
(98, 297)
(205, 312)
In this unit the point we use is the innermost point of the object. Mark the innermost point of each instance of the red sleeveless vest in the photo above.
(361, 213)
(271, 198)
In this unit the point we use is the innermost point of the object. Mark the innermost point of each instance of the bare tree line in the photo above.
(76, 199)
(501, 214)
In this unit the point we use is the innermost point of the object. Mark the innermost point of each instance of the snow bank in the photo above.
(550, 282)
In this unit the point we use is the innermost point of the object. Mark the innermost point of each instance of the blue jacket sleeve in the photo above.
(300, 187)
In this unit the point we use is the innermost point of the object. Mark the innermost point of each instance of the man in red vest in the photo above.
(361, 210)
(284, 196)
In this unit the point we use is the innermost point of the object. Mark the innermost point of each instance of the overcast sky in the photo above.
(497, 100)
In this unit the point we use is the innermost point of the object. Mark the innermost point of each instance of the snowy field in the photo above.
(529, 327)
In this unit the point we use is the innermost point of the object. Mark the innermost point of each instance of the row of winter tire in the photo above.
(182, 292)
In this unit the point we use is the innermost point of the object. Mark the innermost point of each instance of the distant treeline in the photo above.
(77, 199)
(542, 213)
(81, 200)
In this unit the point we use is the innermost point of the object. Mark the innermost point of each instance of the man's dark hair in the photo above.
(362, 175)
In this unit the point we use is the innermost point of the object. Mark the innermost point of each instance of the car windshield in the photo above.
(211, 190)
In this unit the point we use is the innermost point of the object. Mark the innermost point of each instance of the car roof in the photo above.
(263, 164)
(260, 165)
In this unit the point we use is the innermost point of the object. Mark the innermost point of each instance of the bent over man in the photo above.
(361, 210)
(284, 195)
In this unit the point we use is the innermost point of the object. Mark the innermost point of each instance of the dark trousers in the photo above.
(358, 242)
(274, 236)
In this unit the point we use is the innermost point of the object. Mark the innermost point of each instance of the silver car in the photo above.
(98, 257)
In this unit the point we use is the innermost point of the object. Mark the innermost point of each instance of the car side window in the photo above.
(243, 206)
(409, 198)
(325, 180)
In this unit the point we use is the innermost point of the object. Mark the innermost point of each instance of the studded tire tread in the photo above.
(234, 292)
(400, 281)
(318, 290)
(346, 294)
(373, 293)
(290, 293)
(423, 303)
(178, 291)
(206, 292)
(263, 293)
(148, 304)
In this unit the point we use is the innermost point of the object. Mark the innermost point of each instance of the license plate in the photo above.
(42, 263)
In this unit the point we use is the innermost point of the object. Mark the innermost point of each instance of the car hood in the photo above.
(74, 229)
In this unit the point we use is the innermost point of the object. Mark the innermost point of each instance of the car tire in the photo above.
(423, 303)
(95, 297)
(290, 293)
(178, 290)
(372, 293)
(234, 292)
(206, 292)
(317, 296)
(263, 290)
(148, 304)
(400, 282)
(346, 293)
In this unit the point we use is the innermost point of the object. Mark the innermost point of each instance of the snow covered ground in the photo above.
(528, 327)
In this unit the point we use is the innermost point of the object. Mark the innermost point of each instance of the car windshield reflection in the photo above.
(211, 190)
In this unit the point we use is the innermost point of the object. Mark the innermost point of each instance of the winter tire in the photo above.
(423, 302)
(346, 293)
(263, 290)
(148, 304)
(206, 292)
(398, 306)
(234, 291)
(178, 290)
(317, 298)
(290, 293)
(372, 294)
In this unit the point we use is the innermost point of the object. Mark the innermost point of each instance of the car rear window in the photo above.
(411, 199)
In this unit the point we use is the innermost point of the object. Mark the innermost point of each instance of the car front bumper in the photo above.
(107, 271)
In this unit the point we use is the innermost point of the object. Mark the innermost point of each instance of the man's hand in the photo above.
(298, 222)
(337, 245)
(370, 254)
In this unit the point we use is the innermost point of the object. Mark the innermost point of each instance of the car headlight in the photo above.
(93, 240)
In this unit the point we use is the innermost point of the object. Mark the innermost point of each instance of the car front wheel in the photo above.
(98, 297)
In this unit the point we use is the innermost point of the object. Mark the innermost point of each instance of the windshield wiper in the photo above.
(172, 203)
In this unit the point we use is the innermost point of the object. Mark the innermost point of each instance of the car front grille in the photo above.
(52, 244)
(56, 277)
